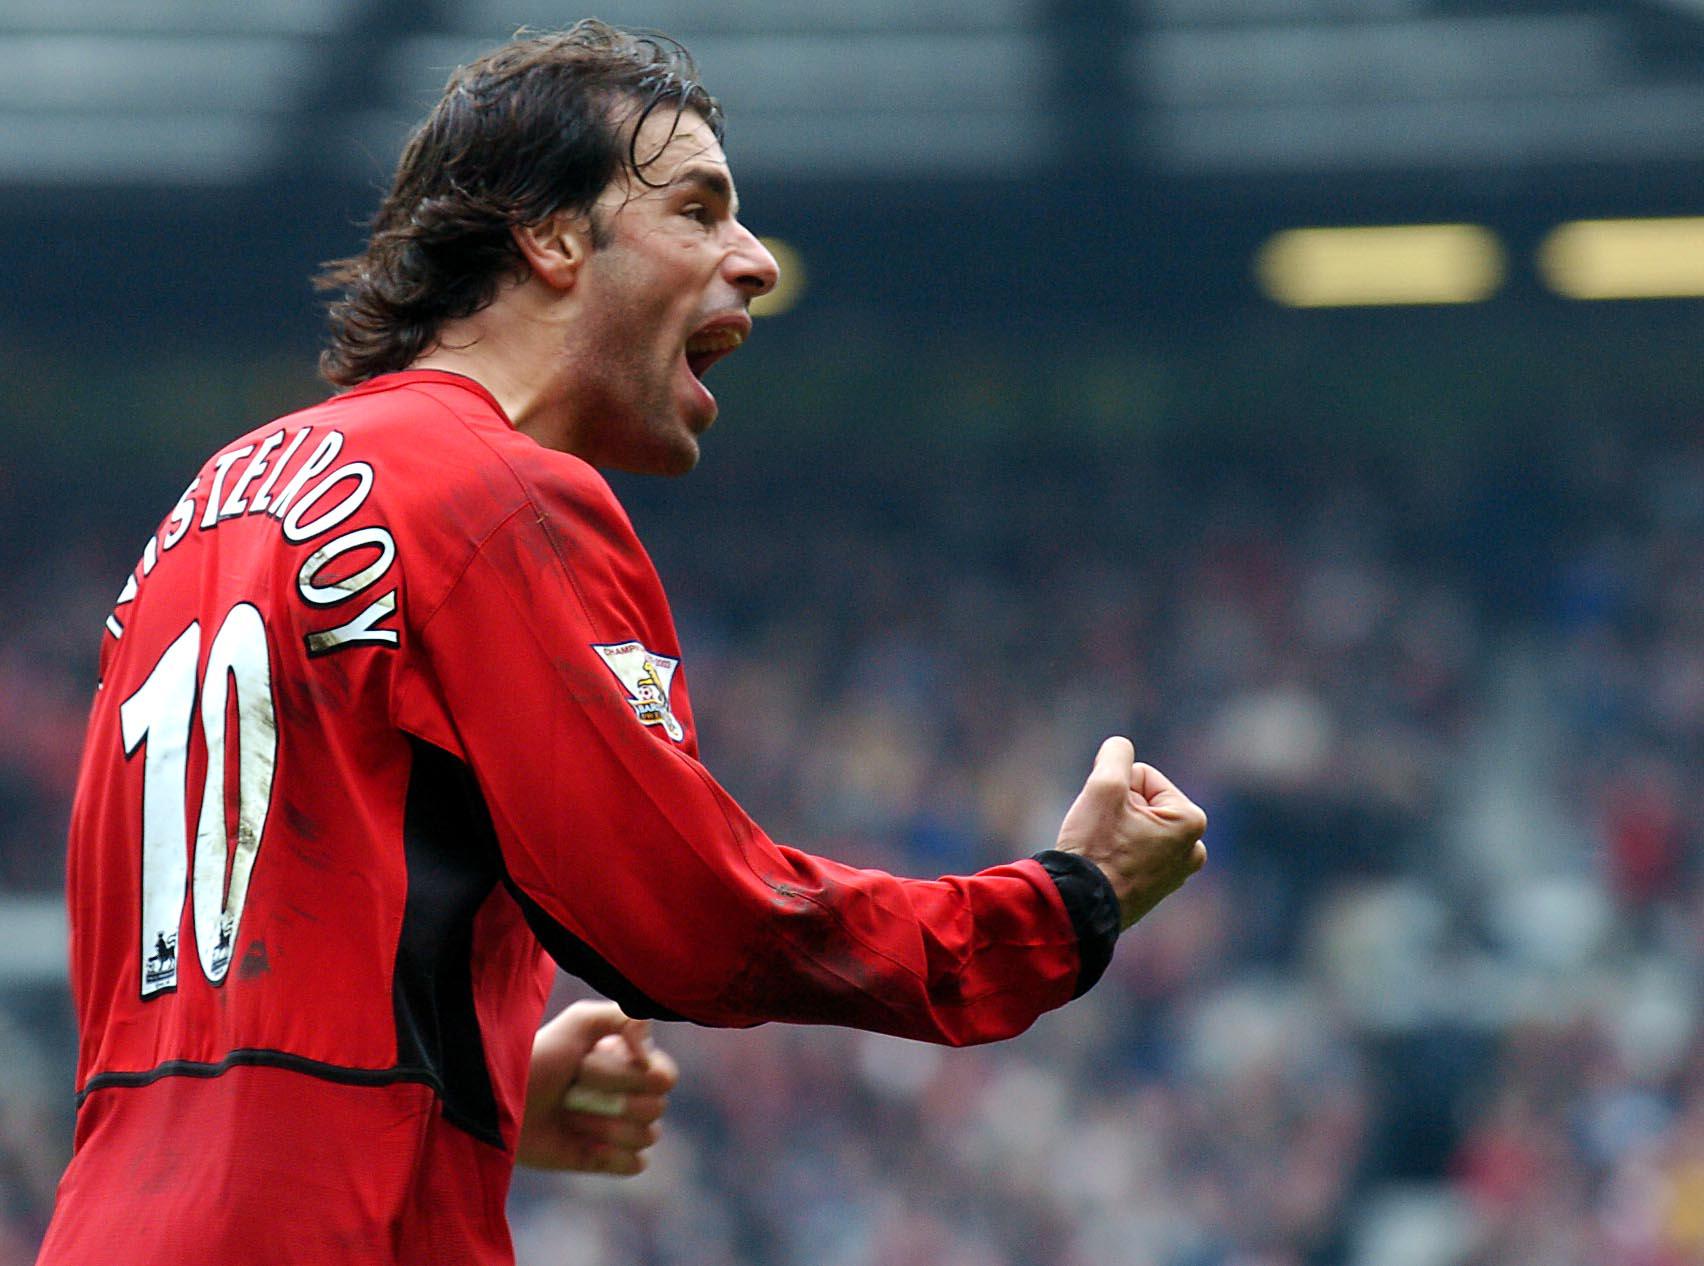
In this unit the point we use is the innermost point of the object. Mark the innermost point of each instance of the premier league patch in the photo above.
(645, 676)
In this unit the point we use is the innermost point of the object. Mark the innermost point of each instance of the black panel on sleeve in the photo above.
(451, 854)
(1093, 907)
(577, 958)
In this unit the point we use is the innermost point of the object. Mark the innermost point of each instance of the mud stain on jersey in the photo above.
(255, 961)
(832, 977)
(307, 916)
(305, 830)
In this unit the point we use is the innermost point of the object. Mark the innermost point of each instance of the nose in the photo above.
(750, 265)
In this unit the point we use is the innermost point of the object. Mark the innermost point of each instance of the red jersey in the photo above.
(391, 705)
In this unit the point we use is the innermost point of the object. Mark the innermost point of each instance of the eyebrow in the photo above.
(712, 181)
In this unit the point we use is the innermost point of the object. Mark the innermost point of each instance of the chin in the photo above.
(674, 456)
(677, 463)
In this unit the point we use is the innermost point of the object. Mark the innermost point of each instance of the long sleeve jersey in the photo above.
(391, 715)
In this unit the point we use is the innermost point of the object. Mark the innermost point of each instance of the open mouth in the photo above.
(710, 345)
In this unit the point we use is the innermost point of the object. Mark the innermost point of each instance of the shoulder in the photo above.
(458, 481)
(449, 464)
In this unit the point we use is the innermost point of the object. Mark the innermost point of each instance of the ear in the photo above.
(555, 249)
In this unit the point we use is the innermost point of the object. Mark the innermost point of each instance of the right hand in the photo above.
(1137, 827)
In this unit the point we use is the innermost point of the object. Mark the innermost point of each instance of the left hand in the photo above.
(595, 1090)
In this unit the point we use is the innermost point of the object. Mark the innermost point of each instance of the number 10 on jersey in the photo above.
(157, 719)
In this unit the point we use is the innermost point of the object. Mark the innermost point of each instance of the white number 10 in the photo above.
(160, 715)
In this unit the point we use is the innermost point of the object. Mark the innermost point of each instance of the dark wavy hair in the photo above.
(532, 128)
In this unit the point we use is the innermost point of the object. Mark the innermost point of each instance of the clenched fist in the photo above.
(1137, 827)
(595, 1090)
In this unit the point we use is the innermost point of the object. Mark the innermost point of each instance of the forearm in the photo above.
(784, 935)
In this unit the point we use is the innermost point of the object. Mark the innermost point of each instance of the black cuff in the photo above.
(1093, 907)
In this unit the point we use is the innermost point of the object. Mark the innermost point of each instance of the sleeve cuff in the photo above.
(1093, 907)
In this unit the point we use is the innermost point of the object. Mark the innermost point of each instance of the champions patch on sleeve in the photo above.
(645, 676)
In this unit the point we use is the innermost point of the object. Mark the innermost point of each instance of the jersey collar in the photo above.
(414, 377)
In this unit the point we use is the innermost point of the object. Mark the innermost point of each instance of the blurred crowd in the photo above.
(1435, 1001)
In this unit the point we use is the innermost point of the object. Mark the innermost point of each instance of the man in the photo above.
(393, 699)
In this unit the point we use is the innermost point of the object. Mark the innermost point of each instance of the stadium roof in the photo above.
(204, 92)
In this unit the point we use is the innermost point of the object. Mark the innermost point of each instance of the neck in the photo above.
(515, 356)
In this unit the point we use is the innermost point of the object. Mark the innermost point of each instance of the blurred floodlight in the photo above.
(1625, 259)
(791, 285)
(1376, 266)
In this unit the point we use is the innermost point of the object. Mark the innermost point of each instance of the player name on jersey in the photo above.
(313, 498)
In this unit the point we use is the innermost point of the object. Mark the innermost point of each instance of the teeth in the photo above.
(718, 340)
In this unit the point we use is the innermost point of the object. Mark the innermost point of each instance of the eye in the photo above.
(698, 211)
